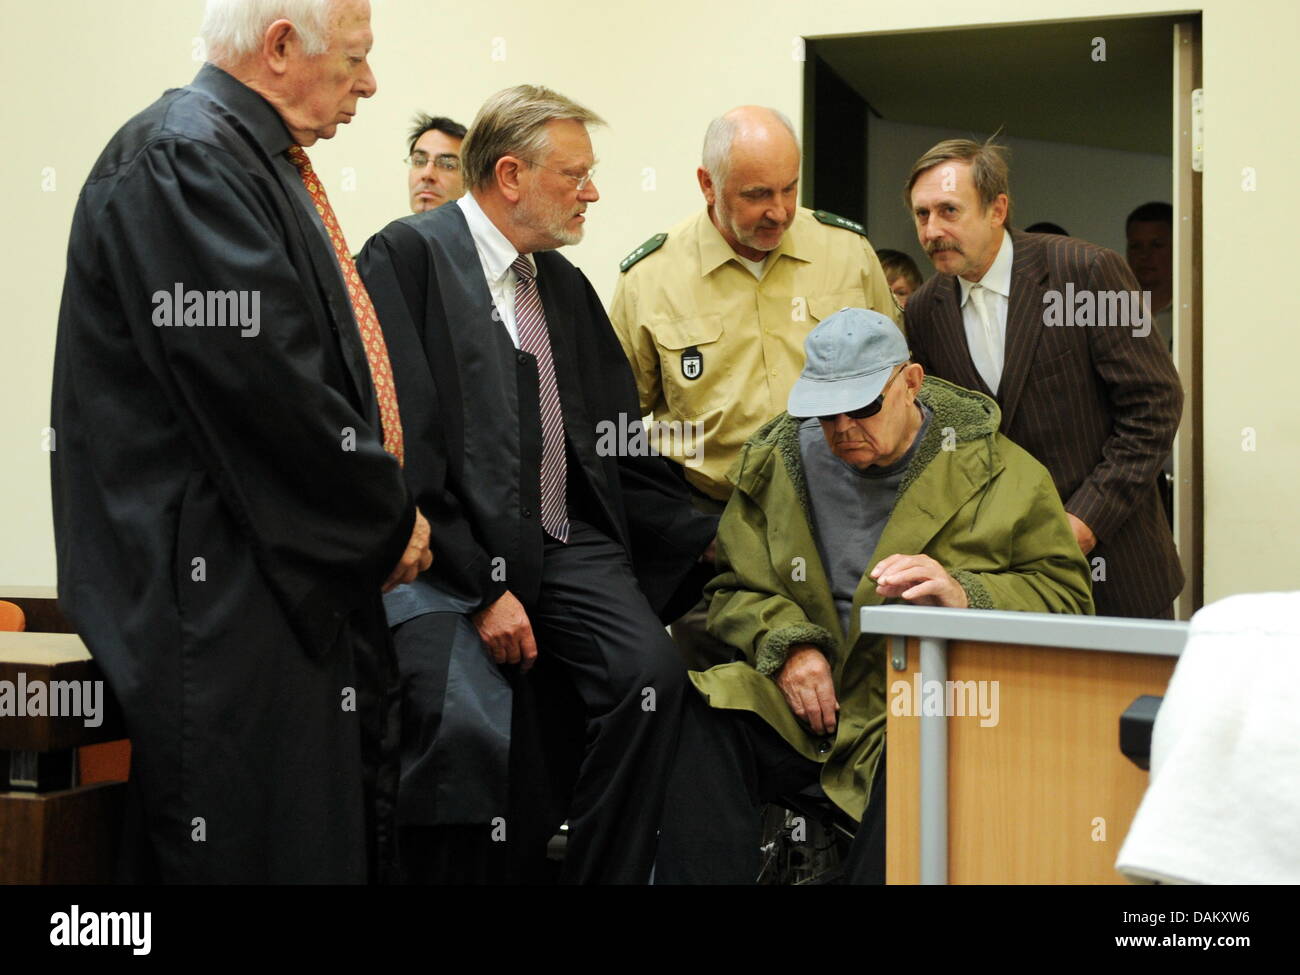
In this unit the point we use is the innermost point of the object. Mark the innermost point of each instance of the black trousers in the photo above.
(729, 765)
(595, 630)
(592, 619)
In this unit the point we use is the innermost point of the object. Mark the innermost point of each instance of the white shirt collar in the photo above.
(998, 277)
(495, 252)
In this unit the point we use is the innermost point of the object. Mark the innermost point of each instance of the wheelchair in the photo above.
(805, 840)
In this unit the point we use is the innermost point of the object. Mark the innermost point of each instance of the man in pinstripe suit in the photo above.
(1044, 324)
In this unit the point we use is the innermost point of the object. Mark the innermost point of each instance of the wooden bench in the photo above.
(61, 781)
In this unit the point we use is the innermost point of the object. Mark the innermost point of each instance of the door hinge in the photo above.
(1198, 130)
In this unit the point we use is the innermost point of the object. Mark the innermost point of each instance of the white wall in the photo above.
(1087, 190)
(658, 72)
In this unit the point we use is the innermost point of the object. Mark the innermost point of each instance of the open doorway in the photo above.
(1097, 115)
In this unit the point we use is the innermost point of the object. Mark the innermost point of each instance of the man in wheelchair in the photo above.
(878, 483)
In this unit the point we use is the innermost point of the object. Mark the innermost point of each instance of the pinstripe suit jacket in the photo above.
(1098, 406)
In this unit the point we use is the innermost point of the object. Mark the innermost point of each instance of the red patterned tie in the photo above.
(372, 336)
(533, 338)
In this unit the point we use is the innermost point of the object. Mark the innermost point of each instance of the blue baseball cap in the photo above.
(847, 361)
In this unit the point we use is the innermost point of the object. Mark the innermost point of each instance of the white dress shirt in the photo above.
(495, 255)
(997, 295)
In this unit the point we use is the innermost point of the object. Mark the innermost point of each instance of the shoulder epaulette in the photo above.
(649, 247)
(844, 223)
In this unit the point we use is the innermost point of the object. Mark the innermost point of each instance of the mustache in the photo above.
(942, 245)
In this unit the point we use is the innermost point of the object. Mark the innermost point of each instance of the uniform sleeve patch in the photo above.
(649, 247)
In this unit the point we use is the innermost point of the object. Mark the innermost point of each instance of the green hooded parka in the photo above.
(970, 499)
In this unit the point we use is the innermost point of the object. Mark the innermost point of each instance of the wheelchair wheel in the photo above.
(797, 848)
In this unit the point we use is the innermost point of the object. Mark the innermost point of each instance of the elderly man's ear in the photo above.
(913, 375)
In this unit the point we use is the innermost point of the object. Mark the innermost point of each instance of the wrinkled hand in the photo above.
(805, 680)
(417, 556)
(505, 631)
(918, 579)
(1082, 534)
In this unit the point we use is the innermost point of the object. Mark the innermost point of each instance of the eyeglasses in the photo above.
(443, 160)
(871, 409)
(582, 181)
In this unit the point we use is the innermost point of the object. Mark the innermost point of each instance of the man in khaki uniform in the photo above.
(713, 314)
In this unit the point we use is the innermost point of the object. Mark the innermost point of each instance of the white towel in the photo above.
(1223, 803)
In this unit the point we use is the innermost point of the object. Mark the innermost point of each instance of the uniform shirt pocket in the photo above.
(695, 364)
(823, 306)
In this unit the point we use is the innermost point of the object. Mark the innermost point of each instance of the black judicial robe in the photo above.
(224, 512)
(470, 405)
(470, 410)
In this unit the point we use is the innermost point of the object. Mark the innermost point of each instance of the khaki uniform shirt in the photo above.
(715, 350)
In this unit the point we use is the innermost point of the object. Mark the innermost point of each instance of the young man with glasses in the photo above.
(434, 161)
(912, 496)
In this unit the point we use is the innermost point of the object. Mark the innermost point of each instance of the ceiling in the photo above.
(1034, 81)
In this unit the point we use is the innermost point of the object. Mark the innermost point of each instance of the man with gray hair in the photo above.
(553, 545)
(227, 489)
(712, 315)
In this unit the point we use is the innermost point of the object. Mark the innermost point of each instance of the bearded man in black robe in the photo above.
(560, 536)
(228, 500)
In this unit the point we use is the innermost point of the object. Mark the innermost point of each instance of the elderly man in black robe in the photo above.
(227, 491)
(560, 538)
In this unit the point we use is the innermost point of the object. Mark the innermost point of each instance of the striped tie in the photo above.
(363, 310)
(533, 338)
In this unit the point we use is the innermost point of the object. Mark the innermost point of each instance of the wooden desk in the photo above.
(1032, 788)
(65, 835)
